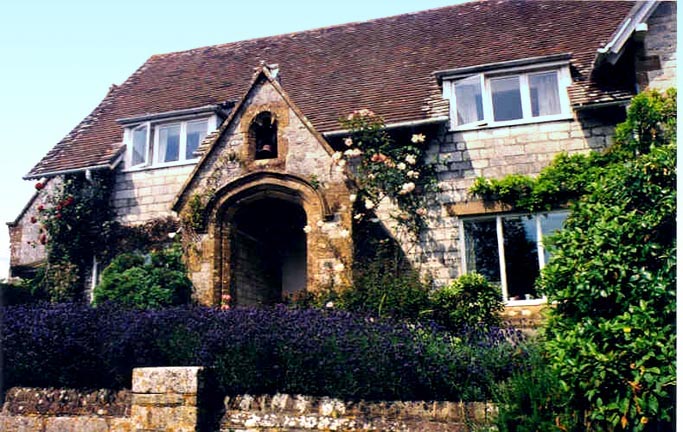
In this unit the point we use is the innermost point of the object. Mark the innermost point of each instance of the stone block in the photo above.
(21, 424)
(76, 424)
(184, 380)
(167, 419)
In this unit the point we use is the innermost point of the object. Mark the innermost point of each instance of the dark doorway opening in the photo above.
(268, 252)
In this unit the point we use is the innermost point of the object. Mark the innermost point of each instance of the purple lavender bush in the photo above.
(272, 350)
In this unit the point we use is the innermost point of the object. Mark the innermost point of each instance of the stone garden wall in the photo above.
(175, 399)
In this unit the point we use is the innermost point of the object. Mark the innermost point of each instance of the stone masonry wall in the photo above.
(494, 153)
(656, 62)
(142, 195)
(174, 399)
(302, 157)
(26, 249)
(284, 412)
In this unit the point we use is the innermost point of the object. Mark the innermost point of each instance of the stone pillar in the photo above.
(165, 399)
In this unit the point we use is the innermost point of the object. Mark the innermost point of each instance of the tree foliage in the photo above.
(610, 339)
(611, 336)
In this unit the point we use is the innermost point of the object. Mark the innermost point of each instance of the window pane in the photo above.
(468, 101)
(139, 146)
(545, 95)
(169, 143)
(196, 132)
(521, 256)
(507, 102)
(549, 224)
(481, 247)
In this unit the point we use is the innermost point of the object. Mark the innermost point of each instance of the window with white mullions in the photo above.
(178, 141)
(166, 142)
(508, 250)
(499, 98)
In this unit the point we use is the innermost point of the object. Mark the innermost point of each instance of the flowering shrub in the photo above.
(257, 351)
(382, 169)
(74, 225)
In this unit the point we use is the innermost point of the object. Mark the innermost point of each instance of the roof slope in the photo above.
(386, 65)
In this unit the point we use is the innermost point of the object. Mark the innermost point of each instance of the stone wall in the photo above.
(495, 153)
(298, 413)
(162, 399)
(302, 173)
(142, 195)
(656, 60)
(175, 399)
(26, 248)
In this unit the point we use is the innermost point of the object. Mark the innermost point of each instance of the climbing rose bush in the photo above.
(382, 169)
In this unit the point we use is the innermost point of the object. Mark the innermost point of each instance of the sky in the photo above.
(59, 58)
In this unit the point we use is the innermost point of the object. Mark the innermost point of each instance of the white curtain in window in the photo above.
(545, 95)
(139, 146)
(468, 100)
(169, 143)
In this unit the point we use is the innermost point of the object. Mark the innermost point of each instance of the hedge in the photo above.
(308, 351)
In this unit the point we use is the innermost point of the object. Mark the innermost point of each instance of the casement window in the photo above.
(508, 250)
(169, 143)
(507, 97)
(176, 142)
(139, 145)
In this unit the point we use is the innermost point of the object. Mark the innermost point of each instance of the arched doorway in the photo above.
(267, 251)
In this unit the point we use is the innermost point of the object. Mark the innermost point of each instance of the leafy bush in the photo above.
(139, 282)
(268, 350)
(611, 338)
(388, 294)
(468, 300)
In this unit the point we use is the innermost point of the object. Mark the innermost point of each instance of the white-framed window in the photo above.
(176, 142)
(139, 145)
(508, 250)
(501, 98)
(168, 143)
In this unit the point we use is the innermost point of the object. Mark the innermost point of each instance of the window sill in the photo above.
(532, 302)
(160, 166)
(493, 125)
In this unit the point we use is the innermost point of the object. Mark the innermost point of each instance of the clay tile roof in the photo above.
(386, 65)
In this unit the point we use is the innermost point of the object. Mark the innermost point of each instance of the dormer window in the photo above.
(263, 133)
(523, 91)
(166, 142)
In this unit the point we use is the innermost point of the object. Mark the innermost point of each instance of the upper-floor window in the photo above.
(176, 142)
(508, 250)
(500, 98)
(167, 143)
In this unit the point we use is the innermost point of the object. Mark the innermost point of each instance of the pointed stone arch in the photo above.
(259, 267)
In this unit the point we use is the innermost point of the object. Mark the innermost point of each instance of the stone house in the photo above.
(250, 128)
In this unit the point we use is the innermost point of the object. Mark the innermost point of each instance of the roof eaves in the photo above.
(410, 123)
(611, 52)
(222, 108)
(115, 160)
(553, 58)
